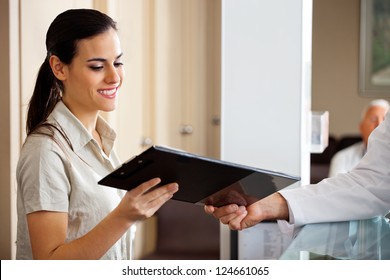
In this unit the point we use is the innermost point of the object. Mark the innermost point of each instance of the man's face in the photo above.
(373, 117)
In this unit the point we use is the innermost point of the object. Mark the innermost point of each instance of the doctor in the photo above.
(362, 193)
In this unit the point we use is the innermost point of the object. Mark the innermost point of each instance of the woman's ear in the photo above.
(58, 68)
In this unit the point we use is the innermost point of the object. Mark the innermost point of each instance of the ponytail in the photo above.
(45, 96)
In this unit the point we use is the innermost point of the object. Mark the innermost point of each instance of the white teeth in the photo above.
(107, 92)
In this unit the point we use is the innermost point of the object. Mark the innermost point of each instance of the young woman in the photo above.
(62, 212)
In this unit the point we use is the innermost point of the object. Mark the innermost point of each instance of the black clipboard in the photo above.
(201, 180)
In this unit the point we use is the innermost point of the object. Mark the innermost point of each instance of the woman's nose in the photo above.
(112, 75)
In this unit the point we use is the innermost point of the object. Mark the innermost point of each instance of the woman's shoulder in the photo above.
(44, 140)
(41, 152)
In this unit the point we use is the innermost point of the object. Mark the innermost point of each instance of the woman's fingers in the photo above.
(144, 187)
(160, 195)
(143, 201)
(153, 199)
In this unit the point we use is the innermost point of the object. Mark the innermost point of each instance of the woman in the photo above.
(62, 212)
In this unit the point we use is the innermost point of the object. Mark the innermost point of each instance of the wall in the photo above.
(335, 70)
(9, 124)
(265, 120)
(266, 84)
(5, 173)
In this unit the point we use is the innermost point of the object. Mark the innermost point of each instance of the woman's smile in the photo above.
(109, 93)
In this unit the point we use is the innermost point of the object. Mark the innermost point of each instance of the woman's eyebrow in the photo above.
(102, 59)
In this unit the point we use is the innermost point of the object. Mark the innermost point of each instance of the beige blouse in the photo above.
(61, 175)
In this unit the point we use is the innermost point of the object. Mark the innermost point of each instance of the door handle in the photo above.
(186, 129)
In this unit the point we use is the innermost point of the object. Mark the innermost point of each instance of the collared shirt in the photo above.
(346, 159)
(61, 175)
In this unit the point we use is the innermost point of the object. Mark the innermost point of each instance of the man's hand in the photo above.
(273, 207)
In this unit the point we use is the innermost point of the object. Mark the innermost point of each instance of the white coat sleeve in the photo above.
(362, 193)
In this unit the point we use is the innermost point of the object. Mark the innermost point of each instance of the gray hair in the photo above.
(376, 103)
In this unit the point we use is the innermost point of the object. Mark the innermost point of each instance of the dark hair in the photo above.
(67, 29)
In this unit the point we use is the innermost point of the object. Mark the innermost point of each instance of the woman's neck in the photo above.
(87, 117)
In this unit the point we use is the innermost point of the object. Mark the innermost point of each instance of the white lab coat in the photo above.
(362, 193)
(346, 159)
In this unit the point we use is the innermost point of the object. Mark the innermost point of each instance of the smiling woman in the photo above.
(94, 77)
(62, 212)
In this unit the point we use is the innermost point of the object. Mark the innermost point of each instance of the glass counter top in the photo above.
(353, 240)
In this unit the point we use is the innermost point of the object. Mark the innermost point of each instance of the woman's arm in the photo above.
(48, 229)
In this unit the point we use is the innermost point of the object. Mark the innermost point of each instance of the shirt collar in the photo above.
(77, 133)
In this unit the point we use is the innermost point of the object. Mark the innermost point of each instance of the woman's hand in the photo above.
(143, 201)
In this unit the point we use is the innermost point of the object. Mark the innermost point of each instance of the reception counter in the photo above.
(354, 240)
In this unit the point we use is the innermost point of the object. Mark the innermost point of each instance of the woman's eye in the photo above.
(118, 64)
(96, 68)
